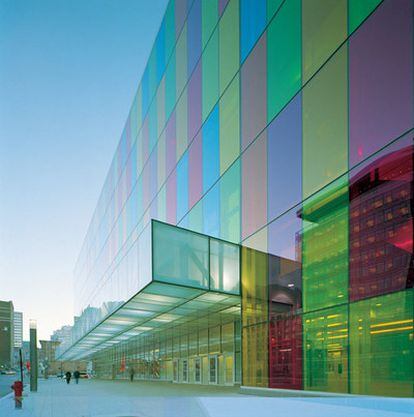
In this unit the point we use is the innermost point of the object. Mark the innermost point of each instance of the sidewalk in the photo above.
(94, 398)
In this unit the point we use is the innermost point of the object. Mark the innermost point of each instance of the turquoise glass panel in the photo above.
(211, 159)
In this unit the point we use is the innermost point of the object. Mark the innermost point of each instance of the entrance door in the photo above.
(176, 370)
(184, 370)
(212, 362)
(197, 370)
(229, 370)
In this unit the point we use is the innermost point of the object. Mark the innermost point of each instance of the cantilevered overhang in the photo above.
(194, 280)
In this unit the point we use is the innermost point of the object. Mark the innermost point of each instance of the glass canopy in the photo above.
(195, 279)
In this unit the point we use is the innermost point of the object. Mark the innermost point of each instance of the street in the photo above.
(97, 398)
(5, 382)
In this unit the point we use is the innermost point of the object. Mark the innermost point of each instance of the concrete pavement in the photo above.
(94, 398)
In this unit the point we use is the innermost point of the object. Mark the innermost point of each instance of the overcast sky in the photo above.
(68, 74)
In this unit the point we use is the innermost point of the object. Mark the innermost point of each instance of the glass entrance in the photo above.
(184, 370)
(212, 361)
(197, 370)
(175, 370)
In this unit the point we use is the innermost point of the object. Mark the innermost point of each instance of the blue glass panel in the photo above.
(182, 186)
(145, 92)
(193, 36)
(211, 159)
(160, 46)
(253, 20)
(284, 170)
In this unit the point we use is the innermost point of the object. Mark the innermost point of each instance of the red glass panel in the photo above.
(381, 223)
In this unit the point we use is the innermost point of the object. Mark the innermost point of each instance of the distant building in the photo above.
(6, 334)
(18, 329)
(47, 362)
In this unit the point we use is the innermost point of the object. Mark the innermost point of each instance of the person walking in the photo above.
(76, 374)
(68, 376)
(131, 373)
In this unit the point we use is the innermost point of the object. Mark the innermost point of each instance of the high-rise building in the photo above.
(18, 329)
(6, 334)
(256, 223)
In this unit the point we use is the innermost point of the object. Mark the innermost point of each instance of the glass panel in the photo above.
(358, 10)
(181, 62)
(210, 75)
(254, 275)
(324, 27)
(382, 345)
(229, 44)
(182, 186)
(254, 190)
(380, 90)
(253, 93)
(197, 370)
(325, 339)
(230, 192)
(209, 10)
(211, 158)
(325, 125)
(272, 7)
(180, 256)
(224, 267)
(253, 21)
(325, 247)
(194, 35)
(194, 103)
(284, 61)
(381, 222)
(211, 212)
(195, 161)
(214, 339)
(229, 125)
(284, 169)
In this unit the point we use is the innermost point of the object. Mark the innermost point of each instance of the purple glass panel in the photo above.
(194, 102)
(145, 140)
(180, 15)
(193, 36)
(195, 171)
(222, 5)
(254, 189)
(381, 79)
(284, 167)
(171, 139)
(172, 198)
(254, 93)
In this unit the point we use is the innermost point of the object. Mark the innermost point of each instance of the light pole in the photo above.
(33, 356)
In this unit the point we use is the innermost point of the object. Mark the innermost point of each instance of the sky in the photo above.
(68, 74)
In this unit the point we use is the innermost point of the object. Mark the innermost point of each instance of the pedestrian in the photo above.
(131, 373)
(68, 377)
(76, 374)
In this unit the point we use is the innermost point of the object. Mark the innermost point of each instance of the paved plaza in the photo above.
(93, 398)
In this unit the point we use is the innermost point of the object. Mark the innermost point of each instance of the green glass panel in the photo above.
(195, 218)
(324, 28)
(180, 256)
(325, 125)
(224, 267)
(358, 10)
(170, 87)
(169, 29)
(254, 272)
(325, 342)
(325, 250)
(284, 64)
(210, 78)
(229, 44)
(272, 6)
(209, 16)
(181, 62)
(229, 108)
(181, 125)
(230, 193)
(382, 345)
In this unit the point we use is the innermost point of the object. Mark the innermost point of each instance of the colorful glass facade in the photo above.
(286, 127)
